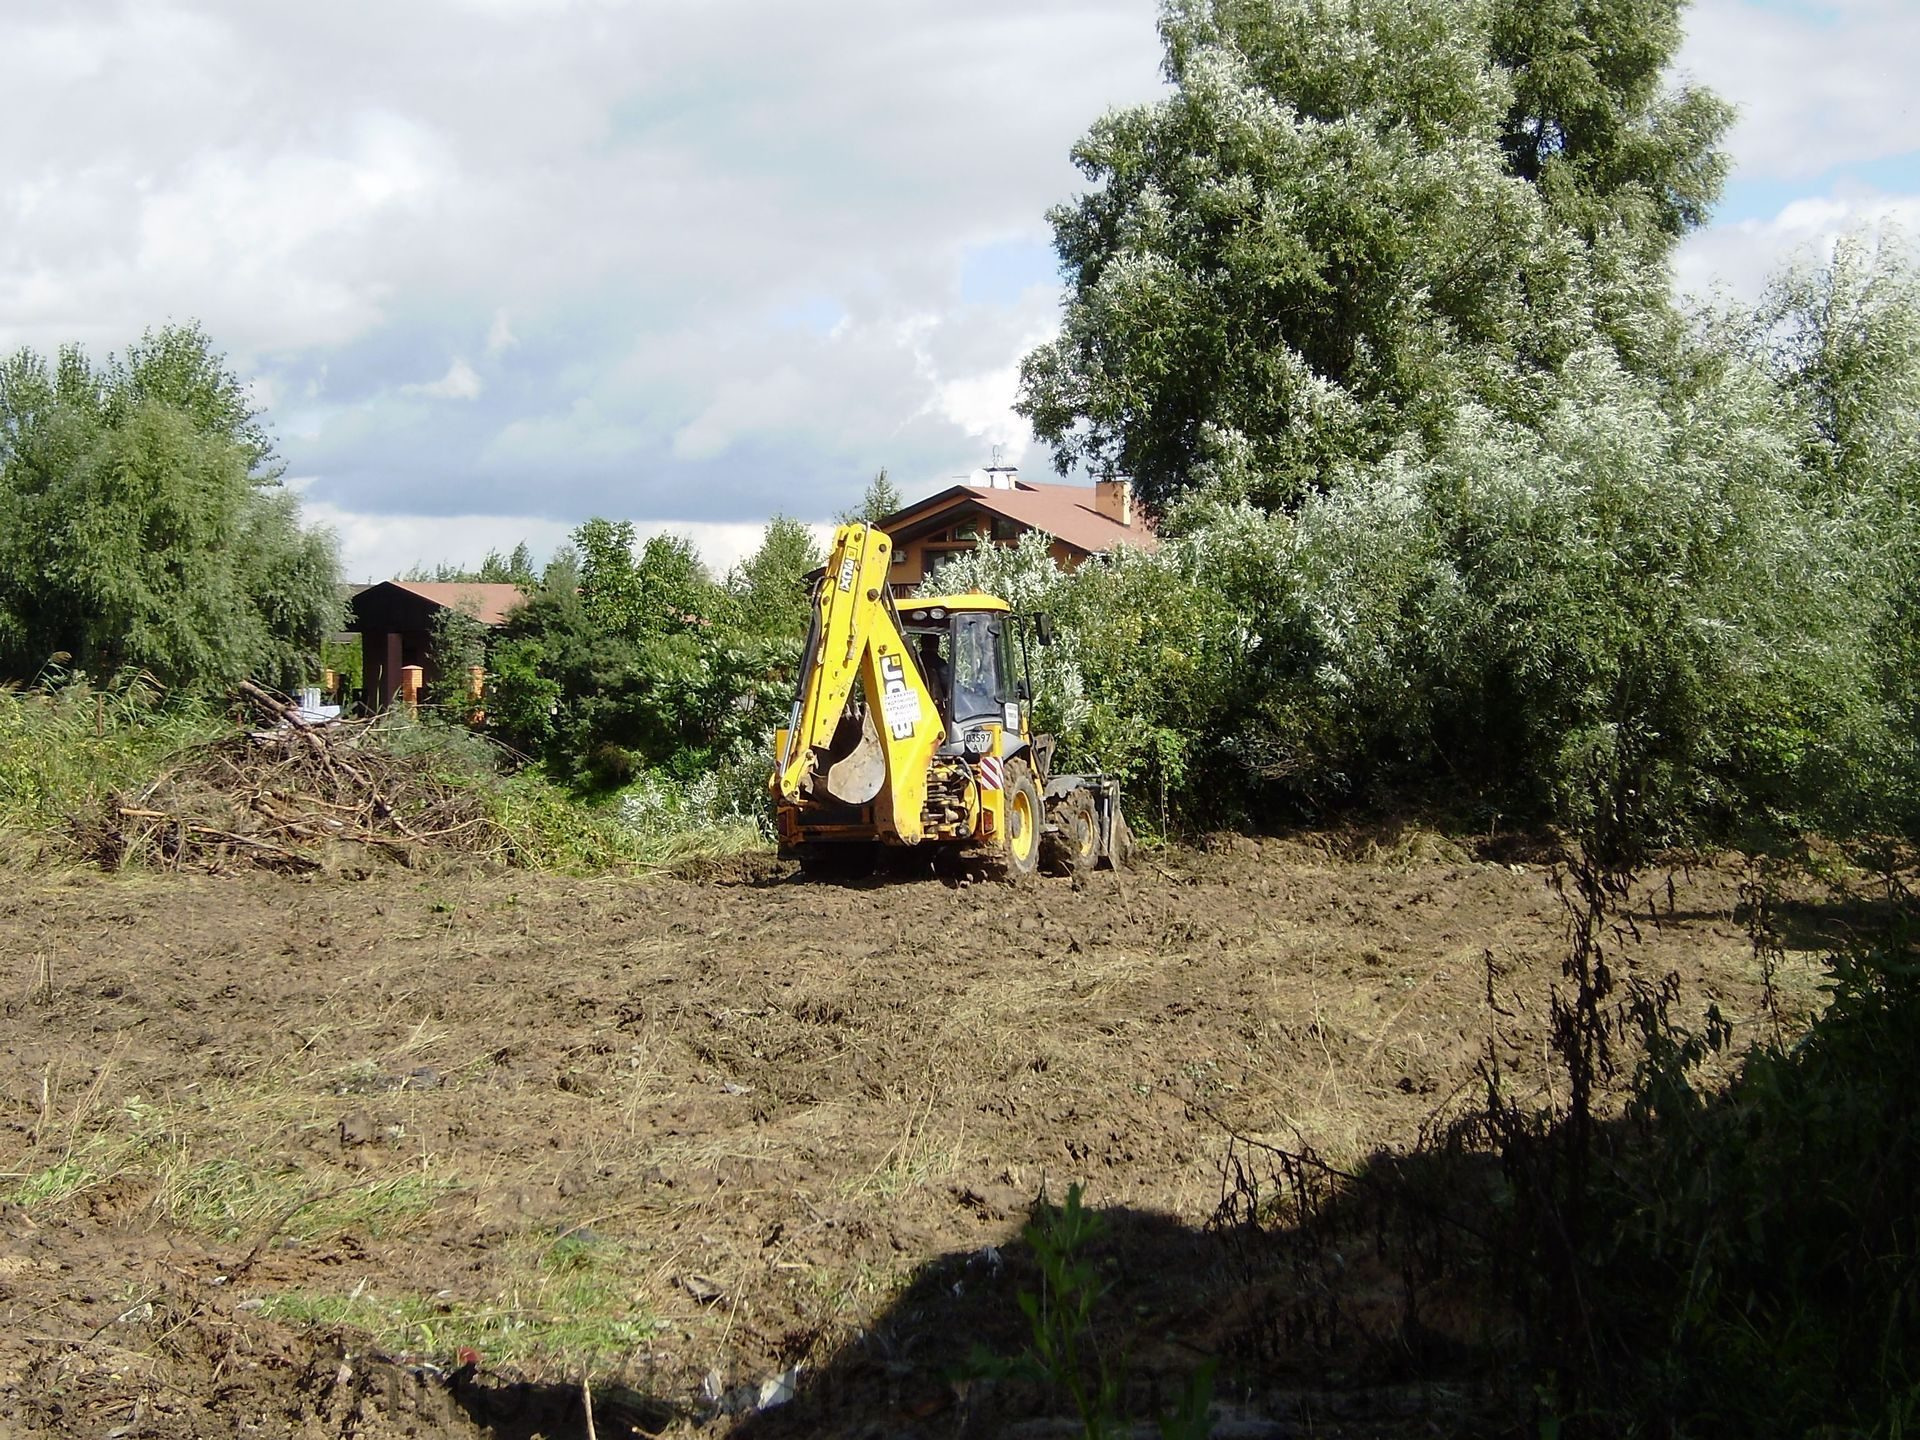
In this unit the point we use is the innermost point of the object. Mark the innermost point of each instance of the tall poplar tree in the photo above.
(1350, 217)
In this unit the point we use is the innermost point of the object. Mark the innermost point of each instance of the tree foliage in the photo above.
(141, 523)
(1690, 597)
(1352, 216)
(628, 661)
(768, 589)
(513, 568)
(880, 499)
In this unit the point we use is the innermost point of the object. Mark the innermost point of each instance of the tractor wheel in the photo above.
(1074, 844)
(1023, 820)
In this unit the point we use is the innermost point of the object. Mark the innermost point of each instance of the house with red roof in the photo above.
(995, 506)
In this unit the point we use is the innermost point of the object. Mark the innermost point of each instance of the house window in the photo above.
(1006, 531)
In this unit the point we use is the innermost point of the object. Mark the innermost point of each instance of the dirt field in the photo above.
(411, 1156)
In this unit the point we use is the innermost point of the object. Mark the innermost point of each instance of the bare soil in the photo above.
(297, 1156)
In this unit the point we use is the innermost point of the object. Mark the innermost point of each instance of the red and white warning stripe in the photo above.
(989, 772)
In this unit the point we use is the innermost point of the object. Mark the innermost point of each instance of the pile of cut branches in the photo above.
(288, 794)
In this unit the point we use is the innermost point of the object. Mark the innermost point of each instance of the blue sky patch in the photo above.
(1762, 197)
(1000, 272)
(815, 314)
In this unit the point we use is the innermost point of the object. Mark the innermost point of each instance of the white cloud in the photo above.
(1737, 259)
(381, 546)
(601, 207)
(1817, 88)
(273, 250)
(459, 383)
(500, 338)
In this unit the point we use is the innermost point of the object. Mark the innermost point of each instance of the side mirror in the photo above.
(1020, 690)
(1043, 628)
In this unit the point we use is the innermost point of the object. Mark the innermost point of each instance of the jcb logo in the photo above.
(897, 700)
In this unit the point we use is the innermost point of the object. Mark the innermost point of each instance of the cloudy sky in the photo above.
(494, 266)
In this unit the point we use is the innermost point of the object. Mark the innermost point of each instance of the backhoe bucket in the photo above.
(856, 777)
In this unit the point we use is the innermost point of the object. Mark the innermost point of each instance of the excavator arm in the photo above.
(873, 744)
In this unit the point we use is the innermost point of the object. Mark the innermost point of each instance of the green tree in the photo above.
(459, 644)
(1326, 239)
(516, 569)
(495, 569)
(141, 523)
(1842, 339)
(609, 580)
(619, 664)
(880, 499)
(1594, 123)
(769, 587)
(676, 591)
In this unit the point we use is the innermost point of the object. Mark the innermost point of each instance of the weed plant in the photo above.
(1064, 1352)
(64, 745)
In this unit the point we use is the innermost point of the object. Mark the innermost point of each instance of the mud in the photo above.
(305, 1157)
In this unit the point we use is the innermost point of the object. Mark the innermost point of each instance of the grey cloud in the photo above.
(352, 196)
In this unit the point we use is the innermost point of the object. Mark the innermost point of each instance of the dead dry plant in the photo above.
(282, 796)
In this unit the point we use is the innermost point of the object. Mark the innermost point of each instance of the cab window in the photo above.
(979, 677)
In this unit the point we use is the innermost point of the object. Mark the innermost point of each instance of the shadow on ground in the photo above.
(1349, 1320)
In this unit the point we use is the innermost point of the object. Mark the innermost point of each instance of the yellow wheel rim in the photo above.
(1020, 827)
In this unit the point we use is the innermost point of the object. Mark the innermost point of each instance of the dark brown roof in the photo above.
(488, 604)
(1063, 511)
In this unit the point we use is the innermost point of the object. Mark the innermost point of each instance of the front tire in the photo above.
(1073, 845)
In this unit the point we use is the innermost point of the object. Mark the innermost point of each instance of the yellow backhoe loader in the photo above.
(911, 729)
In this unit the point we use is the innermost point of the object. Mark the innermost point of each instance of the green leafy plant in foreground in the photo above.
(63, 746)
(1063, 1352)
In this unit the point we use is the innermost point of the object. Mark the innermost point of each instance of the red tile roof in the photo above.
(488, 604)
(1063, 511)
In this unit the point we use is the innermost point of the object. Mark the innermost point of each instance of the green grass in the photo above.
(566, 1304)
(63, 750)
(550, 828)
(243, 1197)
(236, 1198)
(54, 1185)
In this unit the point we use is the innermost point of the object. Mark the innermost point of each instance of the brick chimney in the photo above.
(1113, 499)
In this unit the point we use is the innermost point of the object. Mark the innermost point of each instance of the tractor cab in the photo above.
(970, 659)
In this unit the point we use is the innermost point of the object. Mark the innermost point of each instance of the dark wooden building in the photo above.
(394, 621)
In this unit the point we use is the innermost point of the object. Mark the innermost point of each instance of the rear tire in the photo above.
(1024, 823)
